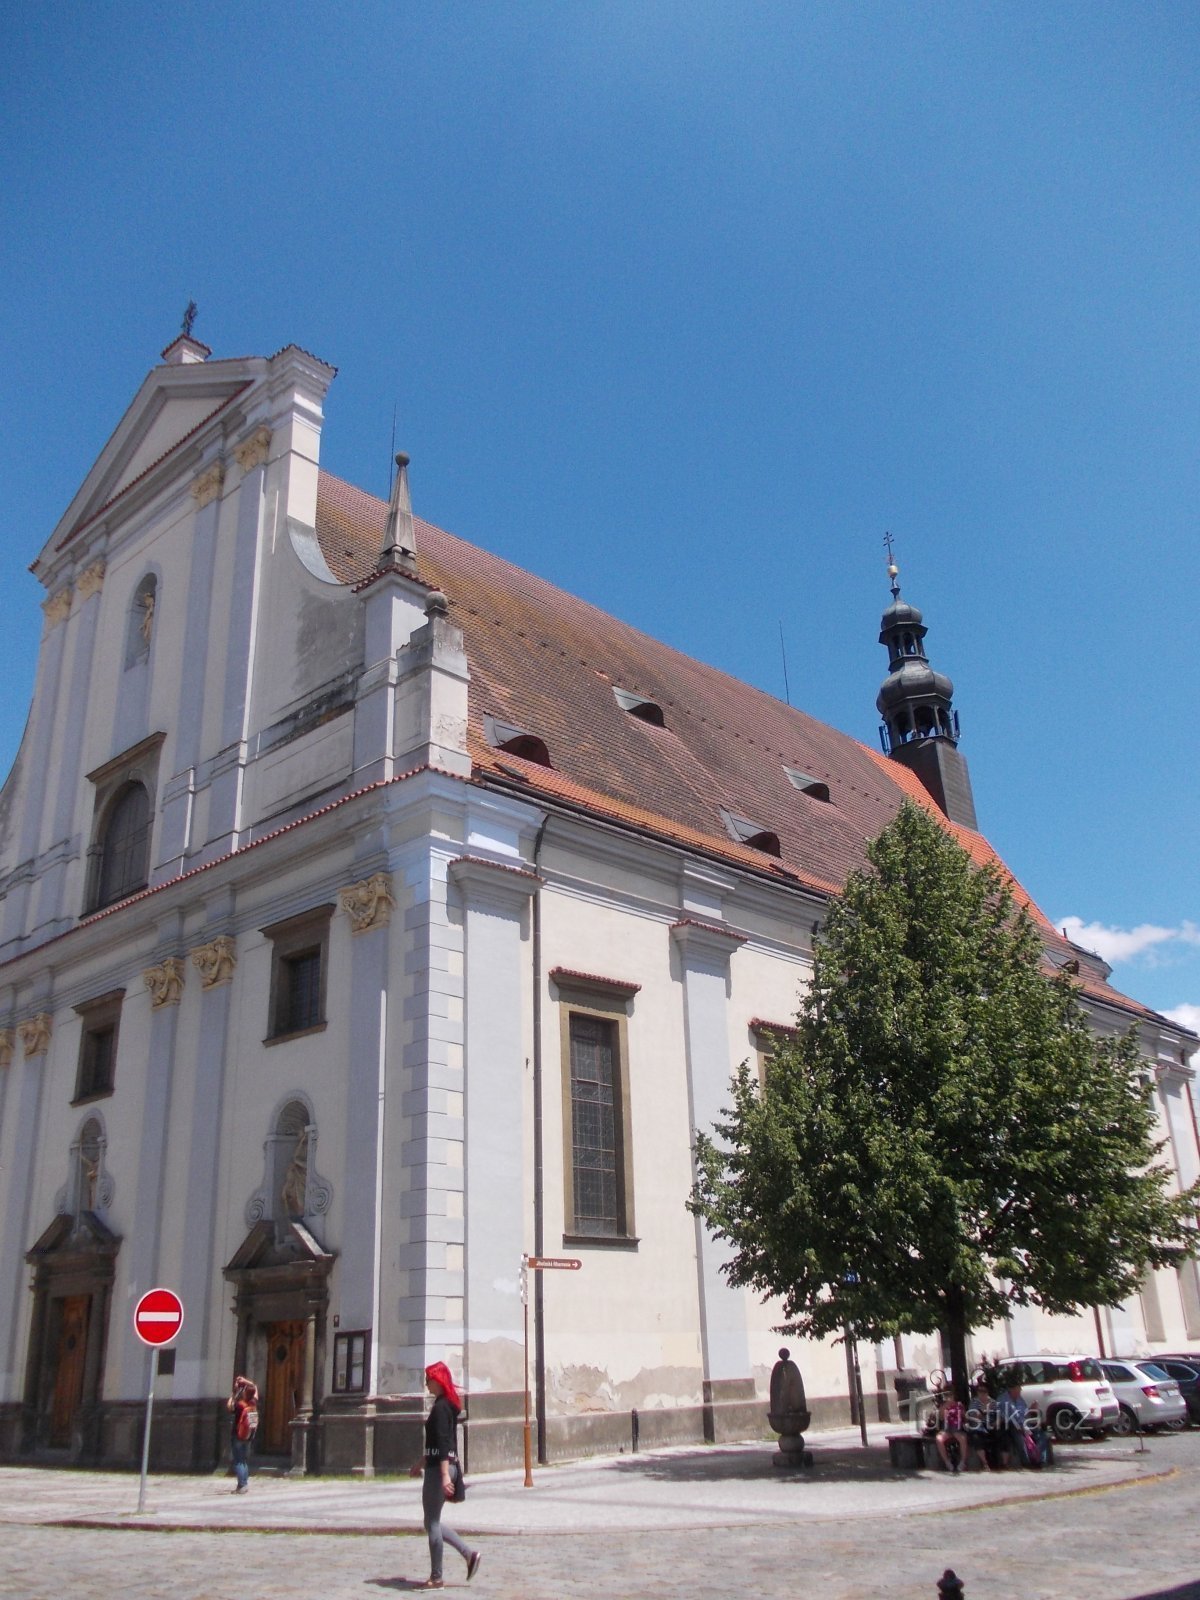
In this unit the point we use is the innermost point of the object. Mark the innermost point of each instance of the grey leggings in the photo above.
(433, 1498)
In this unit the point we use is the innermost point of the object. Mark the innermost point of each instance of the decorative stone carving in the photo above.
(252, 452)
(58, 607)
(35, 1034)
(208, 485)
(7, 1044)
(292, 1188)
(789, 1414)
(90, 581)
(215, 961)
(369, 903)
(165, 983)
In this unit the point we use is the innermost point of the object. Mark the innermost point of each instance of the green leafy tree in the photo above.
(944, 1137)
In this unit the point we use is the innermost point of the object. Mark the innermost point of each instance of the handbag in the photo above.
(459, 1482)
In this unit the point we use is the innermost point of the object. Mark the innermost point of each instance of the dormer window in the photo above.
(638, 706)
(806, 785)
(743, 831)
(516, 741)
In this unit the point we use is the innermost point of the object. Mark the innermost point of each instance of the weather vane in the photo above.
(893, 570)
(189, 317)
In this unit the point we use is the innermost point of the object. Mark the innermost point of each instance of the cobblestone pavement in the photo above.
(1101, 1539)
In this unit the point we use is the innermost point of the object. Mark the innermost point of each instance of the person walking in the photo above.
(439, 1467)
(243, 1424)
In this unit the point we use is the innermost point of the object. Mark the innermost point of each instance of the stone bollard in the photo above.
(950, 1586)
(789, 1415)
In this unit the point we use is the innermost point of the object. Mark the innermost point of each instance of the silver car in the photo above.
(1148, 1396)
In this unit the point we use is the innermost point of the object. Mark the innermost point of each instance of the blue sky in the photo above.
(682, 305)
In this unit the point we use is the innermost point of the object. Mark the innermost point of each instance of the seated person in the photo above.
(951, 1429)
(983, 1425)
(1012, 1411)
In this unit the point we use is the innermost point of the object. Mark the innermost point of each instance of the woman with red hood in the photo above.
(439, 1465)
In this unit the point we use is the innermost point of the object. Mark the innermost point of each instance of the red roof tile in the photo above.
(545, 661)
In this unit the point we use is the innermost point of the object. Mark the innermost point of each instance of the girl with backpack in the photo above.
(243, 1424)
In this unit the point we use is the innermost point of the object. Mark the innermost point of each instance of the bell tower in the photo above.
(920, 725)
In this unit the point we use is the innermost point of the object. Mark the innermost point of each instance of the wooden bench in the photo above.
(916, 1452)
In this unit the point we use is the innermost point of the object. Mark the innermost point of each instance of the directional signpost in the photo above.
(537, 1264)
(157, 1319)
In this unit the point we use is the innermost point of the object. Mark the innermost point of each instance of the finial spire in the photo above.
(399, 535)
(189, 319)
(893, 571)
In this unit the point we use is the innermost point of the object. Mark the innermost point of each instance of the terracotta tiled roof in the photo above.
(546, 662)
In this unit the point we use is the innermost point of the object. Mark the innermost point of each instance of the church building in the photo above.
(373, 915)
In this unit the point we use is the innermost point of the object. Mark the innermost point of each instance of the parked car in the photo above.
(1147, 1394)
(1071, 1393)
(1185, 1369)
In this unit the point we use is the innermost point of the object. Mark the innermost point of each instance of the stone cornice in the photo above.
(708, 940)
(480, 880)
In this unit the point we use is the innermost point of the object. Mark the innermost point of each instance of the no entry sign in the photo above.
(158, 1316)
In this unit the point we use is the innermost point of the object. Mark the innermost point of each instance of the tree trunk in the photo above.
(956, 1339)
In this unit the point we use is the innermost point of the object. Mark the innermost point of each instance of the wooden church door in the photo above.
(285, 1381)
(68, 1366)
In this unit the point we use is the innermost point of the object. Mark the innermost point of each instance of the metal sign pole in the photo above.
(141, 1505)
(528, 1431)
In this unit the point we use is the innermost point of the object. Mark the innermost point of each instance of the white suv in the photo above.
(1071, 1393)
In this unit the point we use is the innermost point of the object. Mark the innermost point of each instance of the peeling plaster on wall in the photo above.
(576, 1390)
(496, 1364)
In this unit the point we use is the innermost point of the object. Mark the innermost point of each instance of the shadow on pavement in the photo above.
(841, 1464)
(1184, 1591)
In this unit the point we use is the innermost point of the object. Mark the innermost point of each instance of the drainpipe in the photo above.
(539, 1198)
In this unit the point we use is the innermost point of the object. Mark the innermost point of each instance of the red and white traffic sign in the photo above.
(158, 1316)
(554, 1263)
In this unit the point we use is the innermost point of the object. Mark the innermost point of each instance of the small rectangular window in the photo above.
(299, 959)
(96, 1072)
(350, 1356)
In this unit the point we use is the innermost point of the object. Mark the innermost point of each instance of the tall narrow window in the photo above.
(595, 1025)
(124, 846)
(595, 1124)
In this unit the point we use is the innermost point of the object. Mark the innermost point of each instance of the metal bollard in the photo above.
(633, 1427)
(950, 1586)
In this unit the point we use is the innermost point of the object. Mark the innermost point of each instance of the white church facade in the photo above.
(373, 914)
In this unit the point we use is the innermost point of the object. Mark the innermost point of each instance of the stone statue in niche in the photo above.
(294, 1190)
(789, 1414)
(146, 601)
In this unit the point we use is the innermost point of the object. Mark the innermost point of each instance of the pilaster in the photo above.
(704, 952)
(496, 990)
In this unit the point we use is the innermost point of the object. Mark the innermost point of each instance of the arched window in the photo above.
(124, 846)
(140, 627)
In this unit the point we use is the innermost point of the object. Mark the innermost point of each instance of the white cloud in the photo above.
(1126, 944)
(1187, 1016)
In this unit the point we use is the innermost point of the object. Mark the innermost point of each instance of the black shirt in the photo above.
(441, 1426)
